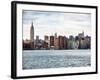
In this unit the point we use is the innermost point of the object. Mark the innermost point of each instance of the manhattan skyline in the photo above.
(48, 23)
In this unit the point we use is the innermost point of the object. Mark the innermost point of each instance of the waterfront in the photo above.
(39, 59)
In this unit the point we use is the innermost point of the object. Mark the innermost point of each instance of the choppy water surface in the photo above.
(38, 59)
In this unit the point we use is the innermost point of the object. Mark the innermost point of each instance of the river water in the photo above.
(39, 59)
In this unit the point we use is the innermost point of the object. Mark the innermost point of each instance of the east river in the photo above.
(39, 59)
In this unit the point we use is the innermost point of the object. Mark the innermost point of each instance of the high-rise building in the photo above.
(52, 41)
(61, 42)
(56, 45)
(36, 42)
(32, 36)
(81, 35)
(72, 43)
(88, 41)
(71, 37)
(81, 40)
(46, 37)
(47, 40)
(37, 37)
(65, 42)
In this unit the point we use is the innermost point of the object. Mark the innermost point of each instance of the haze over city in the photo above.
(49, 23)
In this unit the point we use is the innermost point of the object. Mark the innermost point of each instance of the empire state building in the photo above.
(32, 36)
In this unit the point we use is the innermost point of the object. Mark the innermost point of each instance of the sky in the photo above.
(50, 22)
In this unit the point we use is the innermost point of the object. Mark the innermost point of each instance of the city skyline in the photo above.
(49, 23)
(56, 42)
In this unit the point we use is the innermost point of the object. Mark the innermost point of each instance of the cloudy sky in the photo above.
(49, 23)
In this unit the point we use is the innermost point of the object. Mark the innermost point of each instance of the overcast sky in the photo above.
(49, 23)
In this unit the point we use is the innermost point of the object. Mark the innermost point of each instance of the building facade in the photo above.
(47, 40)
(51, 41)
(61, 42)
(56, 46)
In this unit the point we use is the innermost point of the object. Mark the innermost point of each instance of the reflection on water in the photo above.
(38, 59)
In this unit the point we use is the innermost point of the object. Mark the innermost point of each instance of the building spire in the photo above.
(32, 24)
(32, 32)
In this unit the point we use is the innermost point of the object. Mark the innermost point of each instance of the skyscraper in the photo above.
(81, 35)
(32, 36)
(47, 40)
(56, 45)
(52, 41)
(61, 42)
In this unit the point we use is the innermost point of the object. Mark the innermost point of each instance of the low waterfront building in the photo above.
(26, 44)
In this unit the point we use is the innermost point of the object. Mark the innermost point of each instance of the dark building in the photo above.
(37, 37)
(37, 43)
(47, 40)
(51, 41)
(76, 38)
(26, 45)
(45, 45)
(88, 42)
(70, 42)
(46, 37)
(71, 37)
(61, 42)
(65, 42)
(56, 46)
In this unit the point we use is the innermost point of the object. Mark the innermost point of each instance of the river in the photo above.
(39, 59)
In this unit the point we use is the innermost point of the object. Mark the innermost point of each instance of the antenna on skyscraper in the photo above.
(32, 23)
